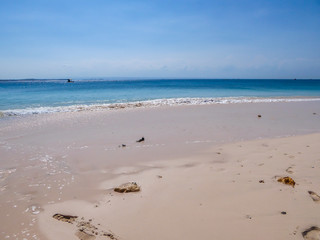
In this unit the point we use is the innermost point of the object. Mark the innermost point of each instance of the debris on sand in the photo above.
(287, 180)
(110, 235)
(128, 187)
(312, 233)
(83, 235)
(34, 209)
(86, 230)
(141, 140)
(65, 218)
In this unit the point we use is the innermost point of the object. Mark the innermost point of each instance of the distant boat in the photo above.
(70, 80)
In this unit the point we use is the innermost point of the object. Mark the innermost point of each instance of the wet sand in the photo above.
(199, 170)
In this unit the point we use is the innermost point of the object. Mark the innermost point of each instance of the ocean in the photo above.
(20, 97)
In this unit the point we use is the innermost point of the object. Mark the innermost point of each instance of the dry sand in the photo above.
(230, 192)
(204, 173)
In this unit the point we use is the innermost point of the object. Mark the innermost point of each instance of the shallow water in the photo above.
(25, 97)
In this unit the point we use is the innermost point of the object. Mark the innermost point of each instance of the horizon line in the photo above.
(144, 78)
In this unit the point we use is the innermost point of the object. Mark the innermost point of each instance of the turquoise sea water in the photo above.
(39, 96)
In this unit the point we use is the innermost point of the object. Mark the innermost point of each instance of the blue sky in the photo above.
(160, 38)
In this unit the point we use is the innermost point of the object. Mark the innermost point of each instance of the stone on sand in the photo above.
(127, 187)
(65, 218)
(140, 140)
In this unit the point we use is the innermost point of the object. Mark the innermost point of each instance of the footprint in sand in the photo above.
(289, 170)
(315, 197)
(312, 233)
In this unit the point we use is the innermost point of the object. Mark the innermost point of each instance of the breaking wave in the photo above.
(150, 103)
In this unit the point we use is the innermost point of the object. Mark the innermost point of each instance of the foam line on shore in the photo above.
(152, 103)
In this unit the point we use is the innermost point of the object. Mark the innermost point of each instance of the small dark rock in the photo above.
(141, 140)
(283, 213)
(261, 181)
(259, 116)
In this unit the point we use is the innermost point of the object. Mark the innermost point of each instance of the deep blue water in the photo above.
(34, 94)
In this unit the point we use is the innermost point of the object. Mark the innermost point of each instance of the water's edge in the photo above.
(153, 103)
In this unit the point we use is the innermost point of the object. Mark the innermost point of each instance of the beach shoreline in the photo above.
(155, 103)
(57, 161)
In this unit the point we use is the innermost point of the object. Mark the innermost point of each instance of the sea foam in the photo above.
(151, 103)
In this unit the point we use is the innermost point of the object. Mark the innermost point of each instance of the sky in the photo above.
(160, 38)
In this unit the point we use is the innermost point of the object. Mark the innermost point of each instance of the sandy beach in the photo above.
(204, 172)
